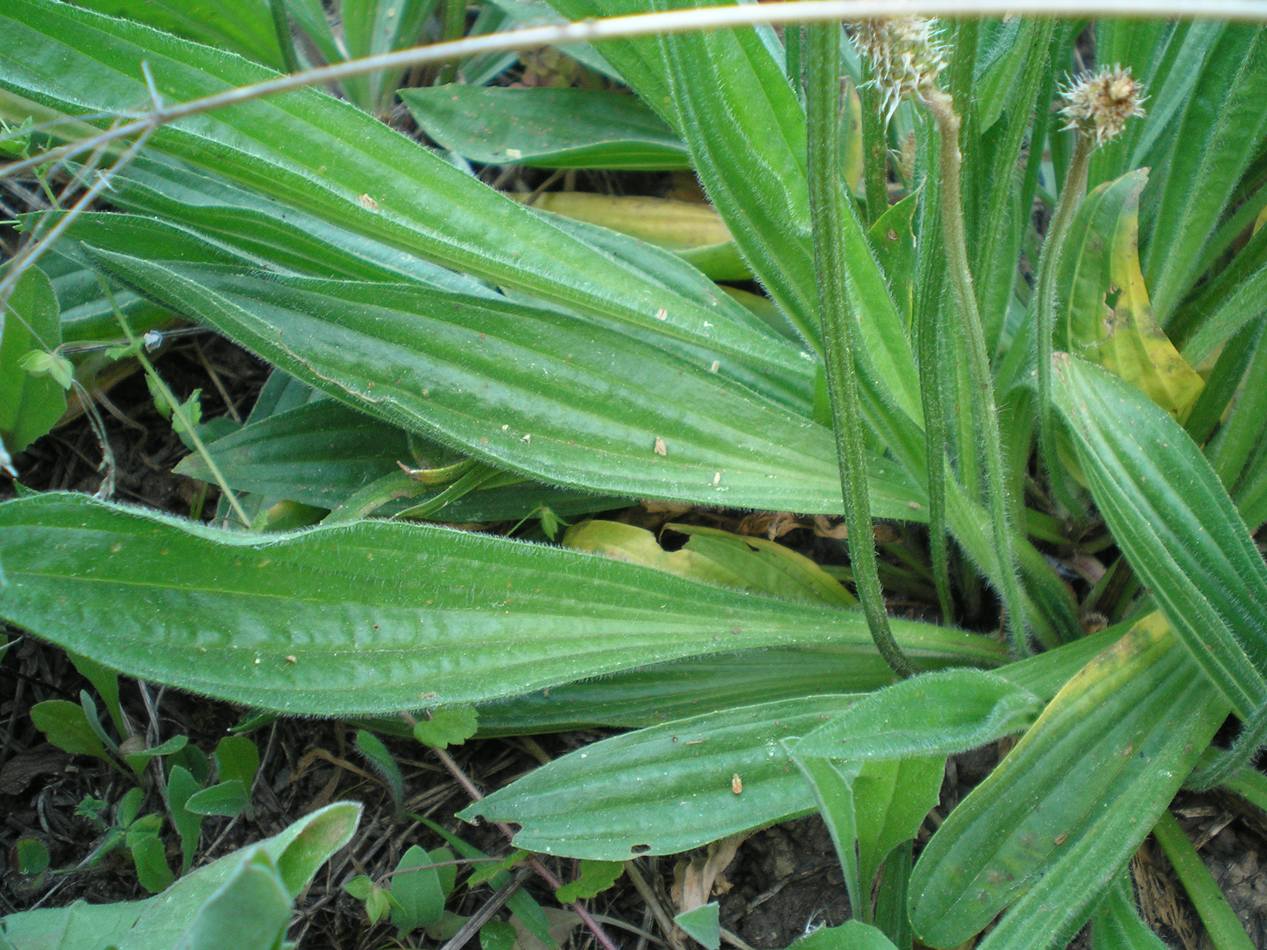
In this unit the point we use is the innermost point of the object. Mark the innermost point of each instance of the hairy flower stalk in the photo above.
(1097, 105)
(907, 60)
(827, 206)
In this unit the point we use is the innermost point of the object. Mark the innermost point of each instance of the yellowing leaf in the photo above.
(1110, 318)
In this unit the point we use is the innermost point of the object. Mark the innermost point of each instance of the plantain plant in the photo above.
(997, 283)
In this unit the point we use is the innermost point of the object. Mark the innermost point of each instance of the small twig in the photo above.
(662, 917)
(27, 257)
(485, 913)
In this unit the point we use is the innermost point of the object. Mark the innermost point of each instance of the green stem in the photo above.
(984, 414)
(452, 27)
(875, 137)
(794, 44)
(826, 196)
(1045, 324)
(285, 40)
(1221, 924)
(930, 353)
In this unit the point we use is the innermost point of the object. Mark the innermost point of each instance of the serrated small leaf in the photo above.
(377, 904)
(149, 854)
(65, 725)
(181, 786)
(359, 886)
(497, 935)
(237, 757)
(446, 726)
(594, 878)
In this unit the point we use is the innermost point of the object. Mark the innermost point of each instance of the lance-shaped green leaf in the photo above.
(331, 159)
(546, 128)
(946, 712)
(1047, 831)
(376, 616)
(522, 388)
(658, 693)
(1175, 523)
(320, 454)
(665, 789)
(1217, 137)
(191, 907)
(670, 787)
(738, 112)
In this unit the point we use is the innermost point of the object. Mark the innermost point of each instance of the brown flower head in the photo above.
(1098, 104)
(905, 55)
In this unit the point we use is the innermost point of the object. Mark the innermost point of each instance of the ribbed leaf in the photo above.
(669, 786)
(666, 691)
(377, 616)
(522, 388)
(1117, 924)
(322, 453)
(691, 230)
(738, 114)
(1049, 828)
(1175, 523)
(714, 556)
(934, 713)
(665, 789)
(87, 314)
(330, 159)
(242, 26)
(675, 690)
(1221, 131)
(546, 128)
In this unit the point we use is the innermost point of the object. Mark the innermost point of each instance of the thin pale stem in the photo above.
(985, 415)
(839, 330)
(1045, 324)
